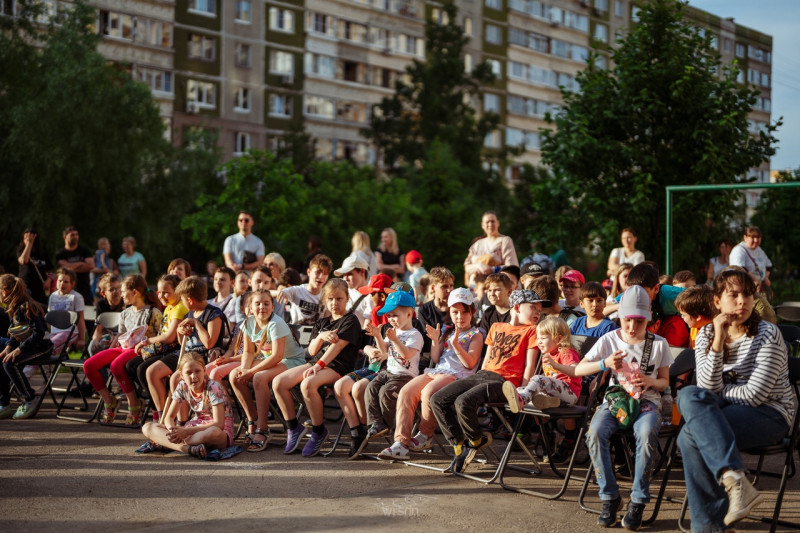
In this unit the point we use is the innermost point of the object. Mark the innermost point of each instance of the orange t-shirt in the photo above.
(508, 346)
(696, 329)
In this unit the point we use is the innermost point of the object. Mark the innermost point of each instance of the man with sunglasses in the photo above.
(243, 250)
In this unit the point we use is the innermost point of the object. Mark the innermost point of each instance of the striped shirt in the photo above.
(761, 368)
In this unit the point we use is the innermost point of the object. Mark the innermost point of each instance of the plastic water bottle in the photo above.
(666, 407)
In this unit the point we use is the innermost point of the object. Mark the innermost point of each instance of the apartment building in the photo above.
(255, 69)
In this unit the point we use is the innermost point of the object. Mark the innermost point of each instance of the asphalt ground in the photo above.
(64, 476)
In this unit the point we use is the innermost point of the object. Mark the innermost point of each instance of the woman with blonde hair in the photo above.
(388, 257)
(361, 247)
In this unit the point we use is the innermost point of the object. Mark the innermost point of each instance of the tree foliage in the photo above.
(776, 209)
(662, 115)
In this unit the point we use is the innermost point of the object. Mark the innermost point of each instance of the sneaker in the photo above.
(26, 410)
(633, 518)
(314, 444)
(563, 453)
(512, 397)
(6, 411)
(421, 442)
(396, 452)
(149, 447)
(357, 444)
(742, 497)
(472, 450)
(378, 429)
(460, 461)
(544, 401)
(293, 437)
(608, 516)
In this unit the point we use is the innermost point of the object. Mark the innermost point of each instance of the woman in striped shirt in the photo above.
(742, 399)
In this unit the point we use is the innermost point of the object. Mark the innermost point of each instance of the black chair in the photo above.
(785, 448)
(109, 321)
(791, 335)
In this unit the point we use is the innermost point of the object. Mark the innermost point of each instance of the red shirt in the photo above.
(568, 357)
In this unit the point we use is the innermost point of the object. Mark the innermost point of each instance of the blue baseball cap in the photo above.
(395, 300)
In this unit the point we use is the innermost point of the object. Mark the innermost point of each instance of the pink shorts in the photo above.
(197, 421)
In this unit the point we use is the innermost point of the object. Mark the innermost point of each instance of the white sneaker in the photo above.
(513, 398)
(421, 442)
(544, 401)
(742, 497)
(396, 452)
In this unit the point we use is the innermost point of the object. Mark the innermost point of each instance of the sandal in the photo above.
(134, 417)
(149, 447)
(198, 451)
(259, 445)
(248, 436)
(110, 411)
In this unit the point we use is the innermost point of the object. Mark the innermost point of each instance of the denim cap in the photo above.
(395, 300)
(635, 303)
(527, 296)
(460, 296)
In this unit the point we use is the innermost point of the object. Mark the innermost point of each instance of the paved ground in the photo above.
(59, 475)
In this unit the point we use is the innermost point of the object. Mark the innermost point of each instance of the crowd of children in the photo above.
(388, 348)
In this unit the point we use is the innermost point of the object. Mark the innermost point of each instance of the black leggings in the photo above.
(137, 367)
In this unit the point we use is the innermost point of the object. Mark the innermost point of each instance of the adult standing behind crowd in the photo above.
(718, 264)
(749, 255)
(131, 261)
(490, 251)
(361, 247)
(243, 250)
(34, 265)
(627, 253)
(388, 256)
(77, 258)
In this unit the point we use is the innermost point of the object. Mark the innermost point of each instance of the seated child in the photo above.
(511, 356)
(571, 283)
(241, 286)
(305, 299)
(335, 341)
(223, 282)
(498, 290)
(110, 291)
(632, 343)
(696, 306)
(433, 313)
(415, 271)
(401, 348)
(593, 301)
(269, 349)
(67, 299)
(231, 360)
(684, 279)
(212, 426)
(456, 352)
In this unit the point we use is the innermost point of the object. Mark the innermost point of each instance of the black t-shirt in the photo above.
(348, 329)
(28, 274)
(104, 307)
(389, 258)
(490, 316)
(78, 255)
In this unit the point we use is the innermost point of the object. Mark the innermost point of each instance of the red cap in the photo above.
(413, 257)
(377, 283)
(574, 275)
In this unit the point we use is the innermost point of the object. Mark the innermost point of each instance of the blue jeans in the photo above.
(708, 441)
(645, 429)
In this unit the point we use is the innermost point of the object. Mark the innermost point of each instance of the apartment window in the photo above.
(515, 104)
(201, 47)
(320, 65)
(532, 141)
(601, 5)
(319, 23)
(468, 26)
(206, 7)
(492, 139)
(514, 137)
(560, 48)
(159, 81)
(48, 12)
(618, 8)
(494, 4)
(601, 33)
(468, 63)
(319, 106)
(152, 32)
(281, 20)
(7, 7)
(635, 11)
(537, 42)
(493, 34)
(243, 55)
(352, 31)
(440, 16)
(764, 79)
(241, 143)
(243, 11)
(491, 103)
(740, 76)
(740, 50)
(352, 112)
(116, 25)
(280, 105)
(204, 94)
(241, 100)
(496, 68)
(281, 62)
(579, 53)
(517, 70)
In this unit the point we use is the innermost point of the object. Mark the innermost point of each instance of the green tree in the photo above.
(662, 115)
(776, 209)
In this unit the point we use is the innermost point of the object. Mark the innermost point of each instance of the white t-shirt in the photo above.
(236, 245)
(306, 307)
(71, 301)
(364, 307)
(395, 364)
(660, 356)
(754, 261)
(635, 259)
(228, 306)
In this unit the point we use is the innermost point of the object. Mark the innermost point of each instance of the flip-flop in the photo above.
(200, 451)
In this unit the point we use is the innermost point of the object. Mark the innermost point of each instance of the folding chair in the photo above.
(785, 448)
(109, 321)
(791, 335)
(789, 311)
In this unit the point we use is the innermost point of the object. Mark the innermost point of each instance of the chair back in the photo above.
(583, 344)
(61, 319)
(789, 311)
(110, 320)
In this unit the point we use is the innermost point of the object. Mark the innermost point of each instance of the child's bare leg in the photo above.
(155, 382)
(241, 388)
(359, 392)
(282, 388)
(342, 389)
(212, 437)
(158, 433)
(261, 383)
(310, 389)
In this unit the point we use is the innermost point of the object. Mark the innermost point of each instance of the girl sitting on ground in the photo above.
(212, 427)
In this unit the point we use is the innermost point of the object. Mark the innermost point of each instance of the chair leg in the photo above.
(336, 439)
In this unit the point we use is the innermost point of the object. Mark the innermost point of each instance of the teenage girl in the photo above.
(456, 352)
(211, 428)
(269, 350)
(140, 311)
(334, 346)
(16, 353)
(618, 287)
(151, 349)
